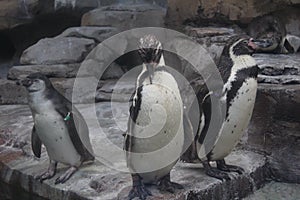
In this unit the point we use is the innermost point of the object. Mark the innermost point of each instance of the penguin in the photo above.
(58, 126)
(155, 123)
(239, 71)
(271, 29)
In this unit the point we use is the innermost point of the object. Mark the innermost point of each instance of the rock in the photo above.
(92, 67)
(213, 39)
(63, 50)
(274, 65)
(76, 5)
(11, 93)
(212, 11)
(15, 12)
(103, 181)
(117, 91)
(85, 92)
(275, 129)
(58, 71)
(125, 17)
(281, 79)
(96, 33)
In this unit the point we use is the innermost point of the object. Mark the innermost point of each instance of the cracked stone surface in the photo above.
(100, 180)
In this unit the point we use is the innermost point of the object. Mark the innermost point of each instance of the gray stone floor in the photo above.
(106, 178)
(277, 191)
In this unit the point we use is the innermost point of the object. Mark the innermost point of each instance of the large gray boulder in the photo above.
(275, 129)
(278, 69)
(233, 10)
(125, 17)
(16, 12)
(98, 34)
(62, 50)
(59, 70)
(213, 39)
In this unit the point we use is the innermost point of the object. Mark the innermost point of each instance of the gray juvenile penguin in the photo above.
(58, 126)
(156, 102)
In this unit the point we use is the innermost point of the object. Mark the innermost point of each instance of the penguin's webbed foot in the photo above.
(221, 165)
(66, 176)
(165, 184)
(138, 190)
(45, 175)
(216, 173)
(51, 171)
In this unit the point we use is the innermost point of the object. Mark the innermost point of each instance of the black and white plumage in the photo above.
(239, 71)
(58, 126)
(155, 123)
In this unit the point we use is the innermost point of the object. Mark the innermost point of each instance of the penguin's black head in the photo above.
(246, 46)
(36, 82)
(150, 50)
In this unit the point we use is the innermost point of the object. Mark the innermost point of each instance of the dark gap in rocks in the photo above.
(7, 49)
(14, 41)
(7, 52)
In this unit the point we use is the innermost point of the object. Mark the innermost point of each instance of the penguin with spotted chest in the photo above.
(58, 126)
(155, 126)
(238, 70)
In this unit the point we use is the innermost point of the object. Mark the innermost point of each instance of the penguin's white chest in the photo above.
(53, 133)
(239, 115)
(158, 129)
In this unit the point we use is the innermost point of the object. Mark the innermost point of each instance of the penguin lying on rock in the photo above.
(238, 70)
(58, 126)
(154, 139)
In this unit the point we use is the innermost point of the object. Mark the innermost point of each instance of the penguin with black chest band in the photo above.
(58, 126)
(238, 70)
(155, 123)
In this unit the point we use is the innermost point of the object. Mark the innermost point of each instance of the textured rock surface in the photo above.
(275, 129)
(96, 33)
(275, 190)
(125, 17)
(213, 39)
(62, 50)
(98, 181)
(59, 70)
(278, 69)
(16, 12)
(273, 65)
(10, 93)
(235, 10)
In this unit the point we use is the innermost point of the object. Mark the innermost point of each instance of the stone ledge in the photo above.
(96, 181)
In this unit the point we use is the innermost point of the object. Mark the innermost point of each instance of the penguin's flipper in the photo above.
(36, 143)
(81, 142)
(77, 127)
(190, 154)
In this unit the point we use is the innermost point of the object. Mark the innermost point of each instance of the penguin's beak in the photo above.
(150, 68)
(256, 44)
(25, 82)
